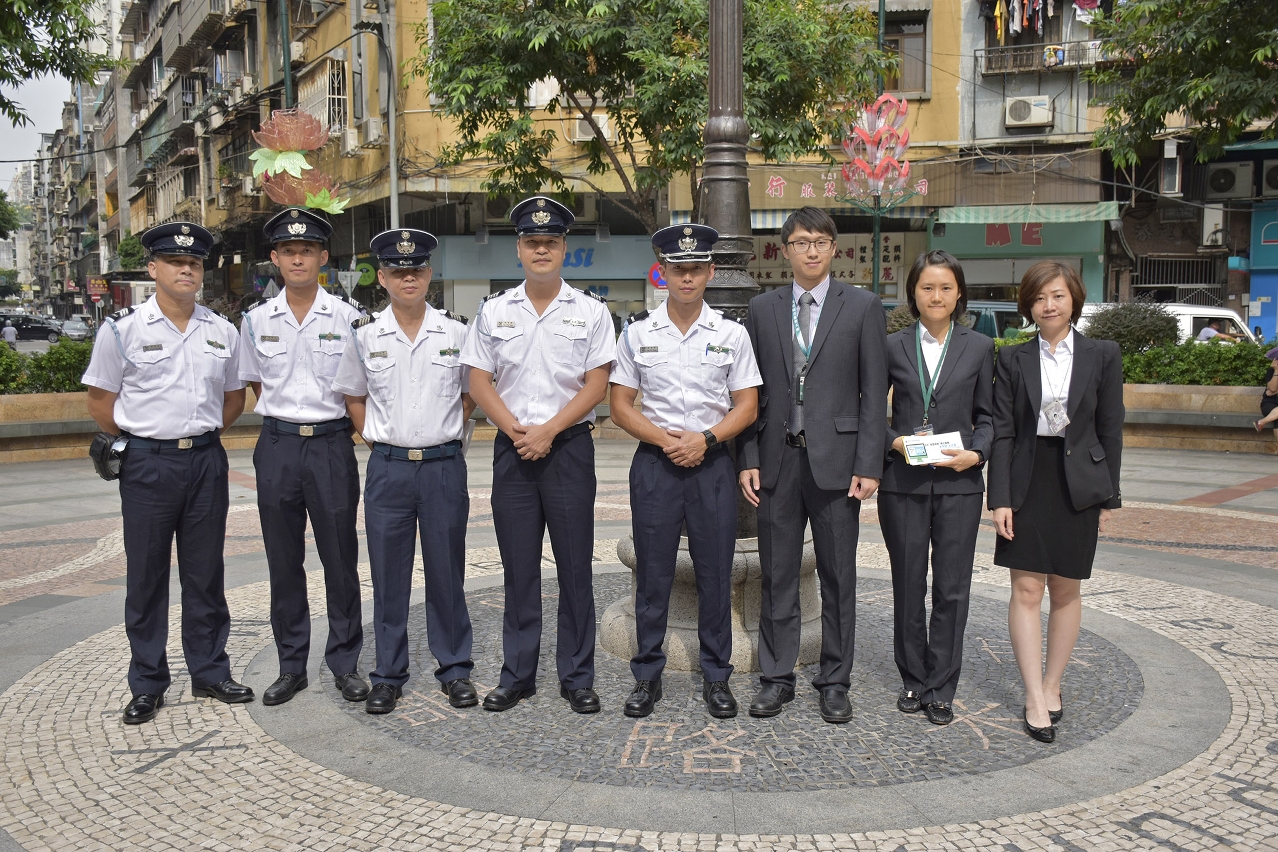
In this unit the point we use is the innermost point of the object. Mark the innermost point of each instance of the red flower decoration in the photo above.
(292, 130)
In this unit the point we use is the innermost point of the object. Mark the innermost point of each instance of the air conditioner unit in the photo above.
(248, 85)
(1213, 224)
(249, 188)
(373, 134)
(297, 51)
(1229, 180)
(1032, 111)
(350, 142)
(579, 130)
(1269, 179)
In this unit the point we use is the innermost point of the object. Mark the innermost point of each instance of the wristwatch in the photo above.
(711, 440)
(980, 455)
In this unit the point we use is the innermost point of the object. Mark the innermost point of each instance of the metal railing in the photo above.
(1033, 58)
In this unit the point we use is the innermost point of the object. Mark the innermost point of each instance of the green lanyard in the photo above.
(927, 389)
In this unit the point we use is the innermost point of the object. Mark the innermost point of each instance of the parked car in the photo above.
(1191, 318)
(33, 328)
(76, 330)
(992, 319)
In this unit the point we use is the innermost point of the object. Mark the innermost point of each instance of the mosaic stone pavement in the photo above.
(681, 747)
(207, 776)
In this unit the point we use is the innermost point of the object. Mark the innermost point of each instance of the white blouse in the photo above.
(1055, 371)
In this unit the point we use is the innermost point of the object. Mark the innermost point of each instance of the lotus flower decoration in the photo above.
(877, 173)
(281, 162)
(292, 130)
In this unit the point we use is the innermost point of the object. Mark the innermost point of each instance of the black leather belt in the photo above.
(799, 440)
(173, 443)
(307, 430)
(442, 451)
(574, 431)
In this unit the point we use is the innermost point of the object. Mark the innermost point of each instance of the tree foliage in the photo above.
(9, 286)
(130, 251)
(1214, 60)
(43, 37)
(10, 221)
(1134, 326)
(643, 66)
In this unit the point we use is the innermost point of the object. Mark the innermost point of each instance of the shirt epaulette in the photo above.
(494, 295)
(458, 317)
(122, 313)
(362, 321)
(248, 303)
(595, 296)
(639, 317)
(342, 297)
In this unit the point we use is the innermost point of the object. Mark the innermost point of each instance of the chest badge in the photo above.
(214, 344)
(330, 336)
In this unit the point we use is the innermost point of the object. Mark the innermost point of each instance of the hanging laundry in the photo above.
(1051, 8)
(1014, 17)
(1000, 16)
(1085, 10)
(987, 8)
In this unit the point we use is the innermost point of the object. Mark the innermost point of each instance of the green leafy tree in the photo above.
(1214, 60)
(44, 37)
(130, 251)
(10, 221)
(1134, 326)
(9, 284)
(641, 66)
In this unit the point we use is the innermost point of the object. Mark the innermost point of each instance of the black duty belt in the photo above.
(799, 440)
(574, 431)
(173, 443)
(442, 451)
(307, 430)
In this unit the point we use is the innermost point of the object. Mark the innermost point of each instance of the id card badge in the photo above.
(1057, 419)
(925, 429)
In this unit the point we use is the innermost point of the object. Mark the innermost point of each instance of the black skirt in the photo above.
(1052, 537)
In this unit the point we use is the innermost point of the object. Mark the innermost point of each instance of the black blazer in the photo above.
(1093, 438)
(963, 403)
(845, 393)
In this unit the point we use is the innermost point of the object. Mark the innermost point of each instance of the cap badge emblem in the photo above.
(687, 232)
(403, 235)
(541, 202)
(184, 242)
(186, 229)
(541, 217)
(688, 243)
(406, 247)
(297, 228)
(293, 213)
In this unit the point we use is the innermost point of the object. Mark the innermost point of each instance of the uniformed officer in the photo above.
(166, 376)
(549, 347)
(290, 347)
(406, 391)
(699, 381)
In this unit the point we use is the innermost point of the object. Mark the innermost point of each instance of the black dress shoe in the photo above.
(770, 699)
(719, 699)
(228, 692)
(142, 708)
(643, 699)
(502, 698)
(834, 705)
(382, 698)
(352, 686)
(285, 687)
(909, 701)
(1043, 735)
(940, 713)
(580, 700)
(1056, 715)
(460, 692)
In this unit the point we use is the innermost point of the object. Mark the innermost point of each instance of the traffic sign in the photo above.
(654, 277)
(95, 297)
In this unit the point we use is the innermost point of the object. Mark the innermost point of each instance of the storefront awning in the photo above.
(1102, 211)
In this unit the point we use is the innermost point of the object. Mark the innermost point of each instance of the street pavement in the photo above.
(1169, 739)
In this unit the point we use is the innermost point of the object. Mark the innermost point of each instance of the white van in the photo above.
(1192, 319)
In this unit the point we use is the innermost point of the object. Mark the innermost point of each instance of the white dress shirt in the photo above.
(687, 379)
(296, 362)
(819, 293)
(170, 384)
(540, 362)
(932, 351)
(1055, 372)
(414, 387)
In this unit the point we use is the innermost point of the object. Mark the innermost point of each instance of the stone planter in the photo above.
(617, 627)
(1193, 417)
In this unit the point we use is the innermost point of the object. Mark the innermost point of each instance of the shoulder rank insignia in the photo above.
(456, 317)
(122, 313)
(342, 297)
(494, 295)
(595, 296)
(248, 303)
(639, 317)
(362, 321)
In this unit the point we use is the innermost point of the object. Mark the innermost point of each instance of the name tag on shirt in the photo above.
(573, 321)
(153, 347)
(269, 338)
(644, 350)
(382, 354)
(505, 324)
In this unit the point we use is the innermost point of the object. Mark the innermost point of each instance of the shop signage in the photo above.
(1031, 234)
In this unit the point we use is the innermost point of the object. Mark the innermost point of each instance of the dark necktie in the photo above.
(795, 420)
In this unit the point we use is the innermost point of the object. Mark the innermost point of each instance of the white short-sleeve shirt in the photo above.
(296, 362)
(170, 384)
(540, 362)
(414, 387)
(687, 379)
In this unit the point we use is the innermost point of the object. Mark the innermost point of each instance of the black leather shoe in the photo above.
(228, 692)
(382, 698)
(142, 708)
(719, 699)
(580, 700)
(643, 699)
(770, 699)
(834, 705)
(939, 713)
(460, 692)
(285, 687)
(1056, 715)
(352, 686)
(501, 698)
(1043, 735)
(909, 701)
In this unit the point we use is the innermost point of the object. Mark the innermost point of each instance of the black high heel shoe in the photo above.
(1043, 735)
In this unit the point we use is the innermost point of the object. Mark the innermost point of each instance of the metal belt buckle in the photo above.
(414, 455)
(185, 443)
(306, 431)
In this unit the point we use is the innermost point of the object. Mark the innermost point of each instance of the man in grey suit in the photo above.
(814, 454)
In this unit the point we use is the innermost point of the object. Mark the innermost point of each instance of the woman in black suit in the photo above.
(941, 375)
(1058, 442)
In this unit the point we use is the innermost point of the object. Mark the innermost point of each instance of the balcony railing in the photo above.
(1035, 58)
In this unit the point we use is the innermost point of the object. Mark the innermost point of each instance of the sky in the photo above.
(42, 99)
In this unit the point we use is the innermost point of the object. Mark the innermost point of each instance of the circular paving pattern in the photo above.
(680, 747)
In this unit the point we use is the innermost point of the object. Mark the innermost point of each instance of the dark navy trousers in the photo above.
(663, 497)
(317, 476)
(556, 493)
(401, 499)
(167, 493)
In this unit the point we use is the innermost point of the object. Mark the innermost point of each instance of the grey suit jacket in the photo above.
(963, 402)
(1093, 438)
(845, 393)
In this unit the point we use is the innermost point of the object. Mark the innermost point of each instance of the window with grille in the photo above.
(907, 38)
(322, 93)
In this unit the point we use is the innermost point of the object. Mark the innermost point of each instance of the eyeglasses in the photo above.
(803, 245)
